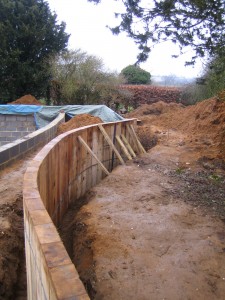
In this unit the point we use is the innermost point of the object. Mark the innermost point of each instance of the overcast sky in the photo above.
(87, 22)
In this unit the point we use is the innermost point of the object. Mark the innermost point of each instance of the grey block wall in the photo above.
(13, 127)
(19, 148)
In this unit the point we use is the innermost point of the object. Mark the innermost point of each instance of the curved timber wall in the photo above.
(62, 172)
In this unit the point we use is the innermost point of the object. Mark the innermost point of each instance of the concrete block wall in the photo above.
(17, 149)
(13, 127)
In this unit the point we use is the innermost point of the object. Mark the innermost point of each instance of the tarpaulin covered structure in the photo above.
(45, 114)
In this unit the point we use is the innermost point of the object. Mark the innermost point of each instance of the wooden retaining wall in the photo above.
(62, 172)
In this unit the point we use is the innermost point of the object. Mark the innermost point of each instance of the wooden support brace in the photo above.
(137, 147)
(93, 154)
(128, 145)
(111, 145)
(123, 147)
(132, 131)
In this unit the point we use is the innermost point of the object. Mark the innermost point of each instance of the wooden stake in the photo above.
(128, 145)
(92, 153)
(136, 138)
(123, 147)
(111, 145)
(137, 147)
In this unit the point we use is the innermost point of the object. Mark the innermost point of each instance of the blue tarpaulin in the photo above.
(45, 114)
(19, 109)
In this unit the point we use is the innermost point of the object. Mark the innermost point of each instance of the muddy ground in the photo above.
(153, 229)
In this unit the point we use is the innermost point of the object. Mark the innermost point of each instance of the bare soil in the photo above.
(27, 99)
(153, 229)
(12, 256)
(78, 121)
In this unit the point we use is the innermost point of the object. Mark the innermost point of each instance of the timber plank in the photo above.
(123, 147)
(92, 153)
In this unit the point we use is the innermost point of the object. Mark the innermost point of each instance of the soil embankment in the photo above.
(153, 229)
(12, 256)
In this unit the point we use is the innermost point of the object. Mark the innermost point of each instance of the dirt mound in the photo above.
(203, 124)
(27, 99)
(205, 119)
(78, 121)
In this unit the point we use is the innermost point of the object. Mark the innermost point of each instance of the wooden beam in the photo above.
(111, 145)
(123, 147)
(128, 145)
(132, 131)
(137, 147)
(92, 153)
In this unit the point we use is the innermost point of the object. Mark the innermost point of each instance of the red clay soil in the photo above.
(27, 99)
(78, 121)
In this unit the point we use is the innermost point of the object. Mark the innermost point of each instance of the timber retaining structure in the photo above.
(61, 173)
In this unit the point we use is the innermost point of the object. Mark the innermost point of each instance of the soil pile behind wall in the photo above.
(78, 121)
(27, 99)
(203, 123)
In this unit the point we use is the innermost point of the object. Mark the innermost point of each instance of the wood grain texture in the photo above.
(63, 170)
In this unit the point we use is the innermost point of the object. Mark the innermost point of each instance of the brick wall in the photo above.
(13, 127)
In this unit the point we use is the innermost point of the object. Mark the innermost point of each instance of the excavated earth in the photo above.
(153, 229)
(27, 100)
(78, 121)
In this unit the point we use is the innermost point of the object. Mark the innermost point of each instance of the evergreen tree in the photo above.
(29, 35)
(196, 23)
(135, 75)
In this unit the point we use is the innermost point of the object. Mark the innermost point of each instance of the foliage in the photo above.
(135, 75)
(79, 78)
(221, 96)
(29, 34)
(196, 23)
(180, 170)
(210, 84)
(216, 178)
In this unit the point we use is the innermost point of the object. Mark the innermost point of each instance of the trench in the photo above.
(160, 241)
(51, 185)
(73, 235)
